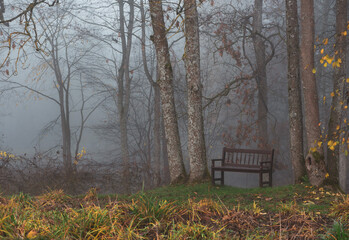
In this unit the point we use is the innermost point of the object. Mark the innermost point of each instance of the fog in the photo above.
(89, 50)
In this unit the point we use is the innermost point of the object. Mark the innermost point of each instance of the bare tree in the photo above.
(314, 161)
(61, 65)
(196, 140)
(294, 91)
(261, 72)
(165, 82)
(124, 85)
(339, 82)
(157, 106)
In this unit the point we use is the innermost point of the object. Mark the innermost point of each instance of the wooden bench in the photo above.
(244, 160)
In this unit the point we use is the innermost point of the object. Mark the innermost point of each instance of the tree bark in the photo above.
(157, 135)
(294, 92)
(196, 141)
(165, 179)
(339, 81)
(261, 76)
(314, 161)
(165, 81)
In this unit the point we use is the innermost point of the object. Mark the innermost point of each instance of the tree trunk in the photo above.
(339, 79)
(124, 88)
(157, 135)
(196, 141)
(157, 106)
(261, 73)
(165, 179)
(314, 161)
(294, 92)
(177, 171)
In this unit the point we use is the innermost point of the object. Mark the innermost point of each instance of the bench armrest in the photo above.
(215, 160)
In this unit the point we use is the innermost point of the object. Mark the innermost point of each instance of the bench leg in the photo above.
(222, 178)
(212, 175)
(270, 179)
(260, 179)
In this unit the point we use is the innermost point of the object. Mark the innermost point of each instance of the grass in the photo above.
(198, 211)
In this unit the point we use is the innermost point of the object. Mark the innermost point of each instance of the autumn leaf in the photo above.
(332, 94)
(32, 234)
(322, 51)
(314, 149)
(319, 144)
(325, 41)
(314, 70)
(331, 145)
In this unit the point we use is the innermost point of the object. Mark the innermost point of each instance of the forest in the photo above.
(123, 95)
(112, 110)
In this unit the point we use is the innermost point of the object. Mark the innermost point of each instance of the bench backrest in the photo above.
(246, 157)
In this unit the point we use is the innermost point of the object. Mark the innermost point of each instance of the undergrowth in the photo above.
(179, 212)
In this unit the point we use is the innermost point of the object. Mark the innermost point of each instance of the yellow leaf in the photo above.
(326, 176)
(32, 234)
(317, 198)
(344, 33)
(308, 202)
(319, 144)
(347, 80)
(325, 41)
(314, 70)
(325, 65)
(322, 51)
(332, 94)
(337, 128)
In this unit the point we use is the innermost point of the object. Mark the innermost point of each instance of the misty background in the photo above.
(86, 36)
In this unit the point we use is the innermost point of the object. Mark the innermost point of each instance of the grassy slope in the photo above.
(198, 211)
(268, 198)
